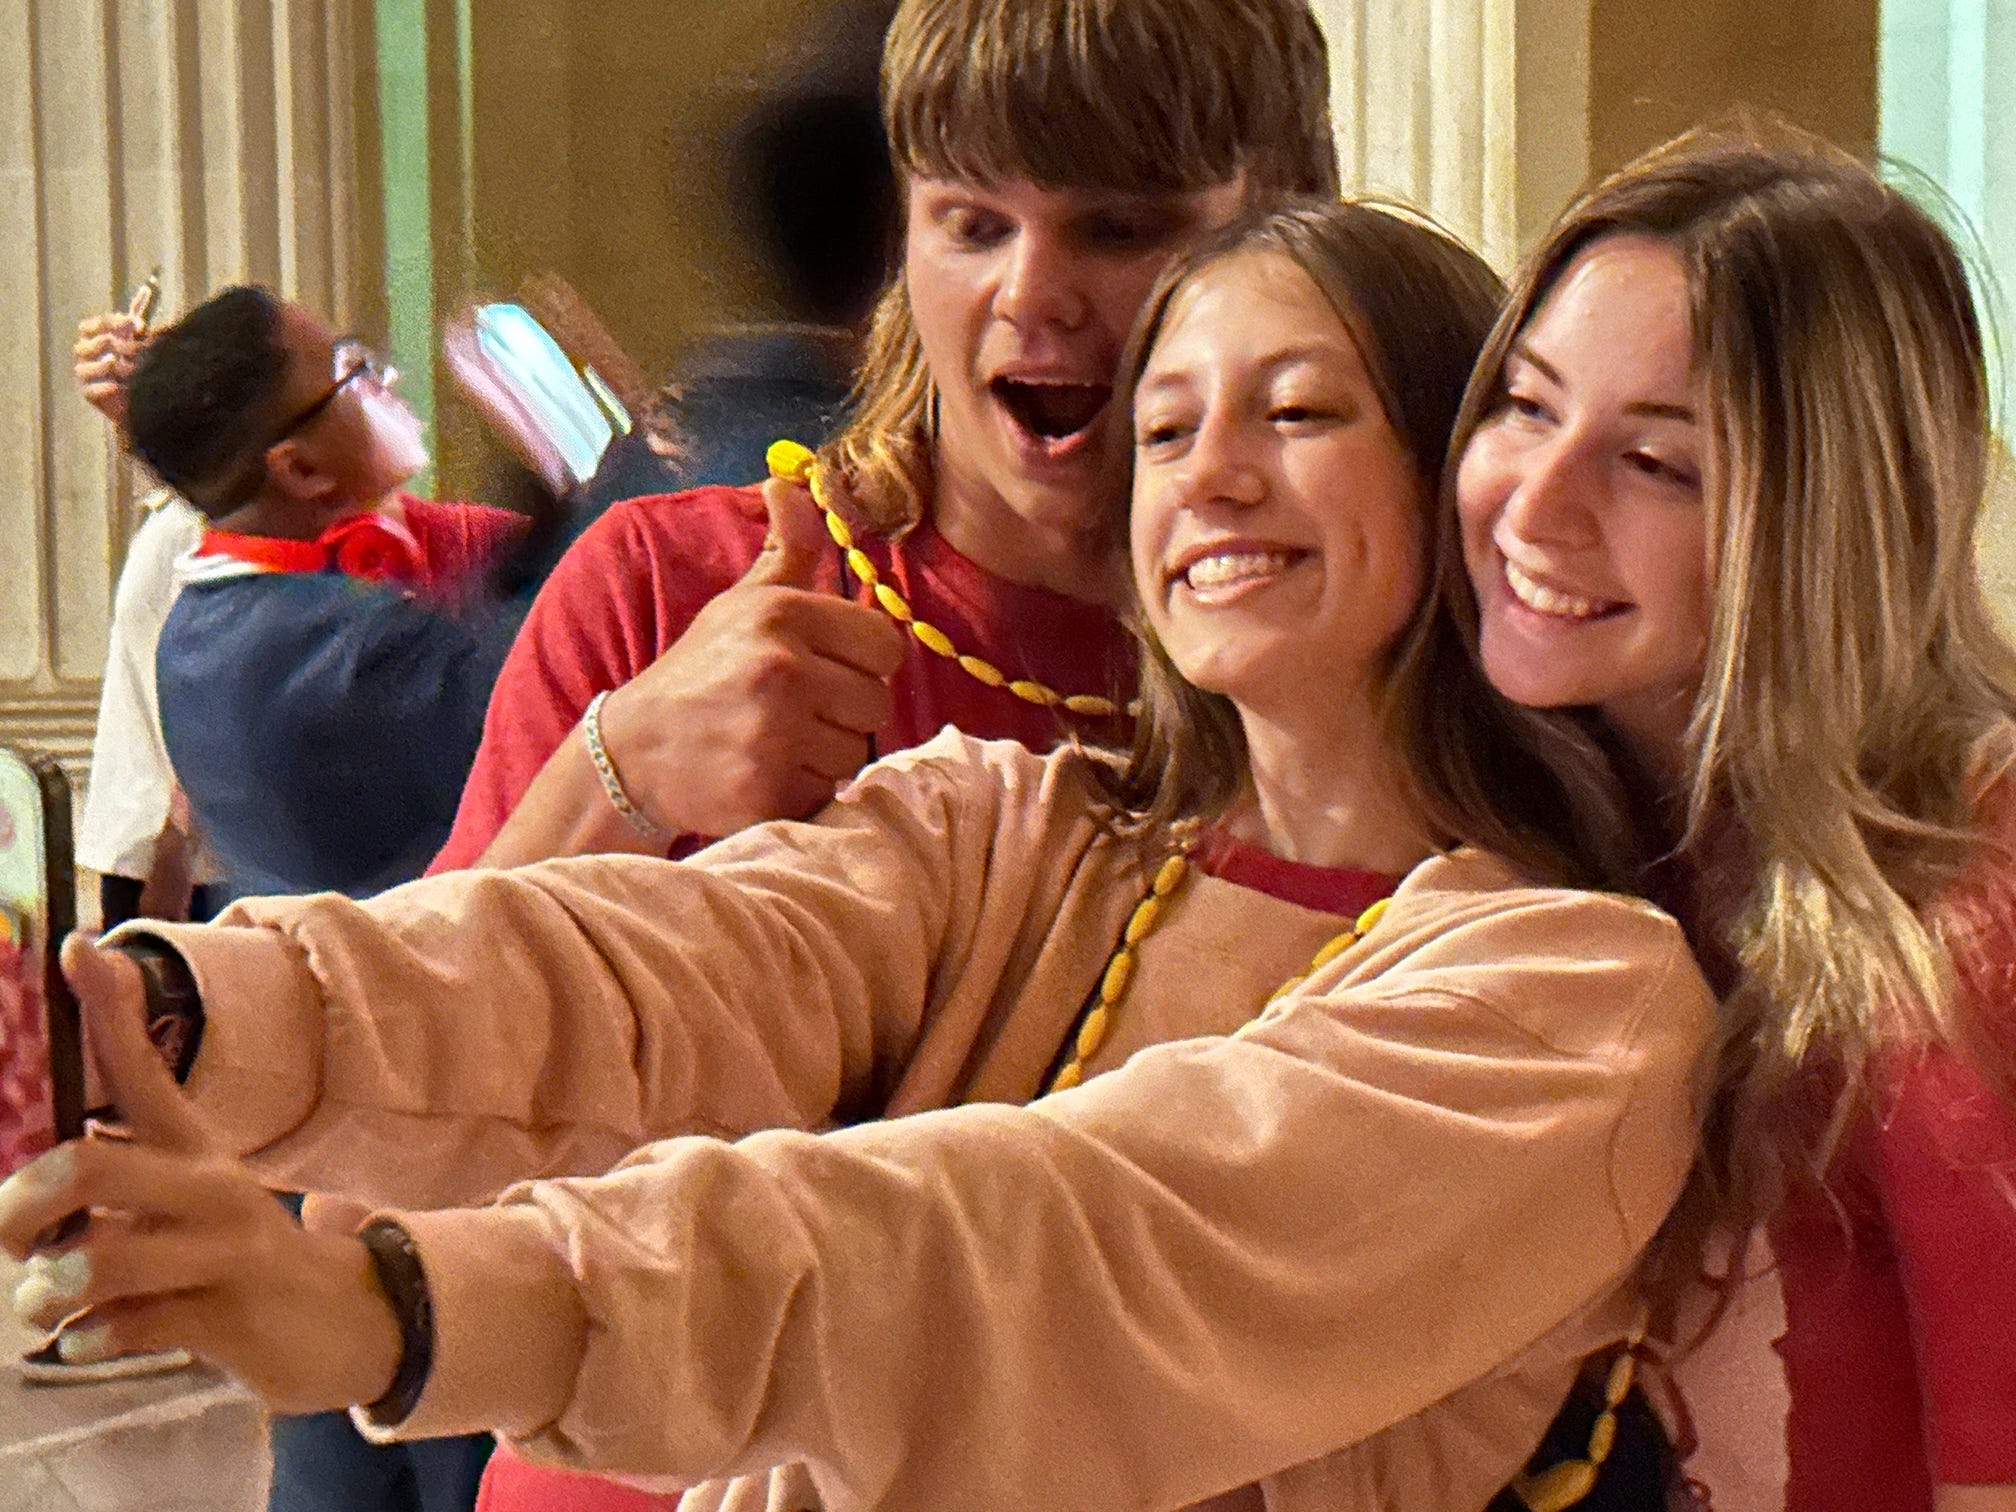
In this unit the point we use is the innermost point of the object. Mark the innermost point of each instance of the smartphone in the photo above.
(575, 411)
(141, 304)
(41, 1037)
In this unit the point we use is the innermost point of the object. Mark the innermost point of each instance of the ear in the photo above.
(294, 471)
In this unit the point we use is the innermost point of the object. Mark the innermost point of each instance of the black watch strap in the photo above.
(397, 1261)
(174, 1006)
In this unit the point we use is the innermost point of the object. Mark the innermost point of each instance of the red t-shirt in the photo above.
(511, 1484)
(1899, 1352)
(637, 577)
(458, 543)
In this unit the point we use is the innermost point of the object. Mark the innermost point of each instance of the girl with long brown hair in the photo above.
(1722, 468)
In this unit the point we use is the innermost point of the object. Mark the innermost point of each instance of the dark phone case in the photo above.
(65, 1028)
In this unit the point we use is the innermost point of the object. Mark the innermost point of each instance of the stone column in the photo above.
(1475, 111)
(215, 138)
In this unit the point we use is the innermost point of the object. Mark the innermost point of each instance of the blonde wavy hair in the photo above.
(1856, 702)
(1132, 96)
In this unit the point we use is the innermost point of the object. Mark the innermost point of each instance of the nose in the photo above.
(1554, 495)
(1221, 467)
(1041, 283)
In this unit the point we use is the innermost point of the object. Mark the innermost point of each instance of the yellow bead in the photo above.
(1090, 704)
(983, 671)
(815, 483)
(1602, 1438)
(837, 528)
(1557, 1488)
(1170, 876)
(1032, 692)
(1370, 917)
(1092, 1033)
(892, 603)
(1145, 913)
(863, 568)
(1287, 987)
(932, 637)
(1336, 947)
(1119, 972)
(1068, 1078)
(1622, 1371)
(788, 460)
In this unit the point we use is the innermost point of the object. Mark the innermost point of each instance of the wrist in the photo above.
(397, 1338)
(174, 1004)
(605, 733)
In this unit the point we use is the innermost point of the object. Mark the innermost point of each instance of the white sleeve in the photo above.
(126, 803)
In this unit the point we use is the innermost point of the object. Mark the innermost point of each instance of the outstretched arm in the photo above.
(449, 1037)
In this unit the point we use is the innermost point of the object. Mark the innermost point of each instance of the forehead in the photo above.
(1621, 308)
(1216, 203)
(1259, 304)
(305, 334)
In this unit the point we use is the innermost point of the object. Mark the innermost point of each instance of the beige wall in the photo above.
(1659, 66)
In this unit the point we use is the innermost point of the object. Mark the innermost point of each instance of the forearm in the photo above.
(565, 812)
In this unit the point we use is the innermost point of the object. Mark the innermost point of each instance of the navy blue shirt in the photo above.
(322, 726)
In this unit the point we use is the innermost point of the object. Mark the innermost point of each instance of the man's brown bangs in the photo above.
(1048, 132)
(1082, 96)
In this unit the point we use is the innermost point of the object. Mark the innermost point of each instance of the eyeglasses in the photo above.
(350, 360)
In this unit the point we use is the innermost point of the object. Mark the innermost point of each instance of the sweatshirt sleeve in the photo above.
(365, 1047)
(1227, 1257)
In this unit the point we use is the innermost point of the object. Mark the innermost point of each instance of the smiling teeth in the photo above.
(1234, 567)
(1544, 600)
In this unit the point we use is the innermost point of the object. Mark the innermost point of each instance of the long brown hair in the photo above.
(1419, 305)
(1133, 96)
(1856, 700)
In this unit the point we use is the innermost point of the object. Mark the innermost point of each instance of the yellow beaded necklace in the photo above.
(1554, 1489)
(797, 464)
(1141, 923)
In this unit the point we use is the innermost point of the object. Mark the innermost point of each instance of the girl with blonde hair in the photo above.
(1259, 1116)
(1722, 468)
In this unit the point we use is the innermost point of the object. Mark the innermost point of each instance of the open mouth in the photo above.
(1053, 414)
(1554, 603)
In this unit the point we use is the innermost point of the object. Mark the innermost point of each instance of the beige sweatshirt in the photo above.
(1351, 1249)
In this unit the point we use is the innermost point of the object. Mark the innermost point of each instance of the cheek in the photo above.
(1116, 291)
(1669, 560)
(1479, 491)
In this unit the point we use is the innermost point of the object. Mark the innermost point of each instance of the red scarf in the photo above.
(372, 546)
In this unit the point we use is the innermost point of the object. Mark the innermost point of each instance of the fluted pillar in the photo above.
(216, 138)
(1473, 110)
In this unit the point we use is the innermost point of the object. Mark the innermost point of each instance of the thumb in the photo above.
(797, 541)
(114, 1003)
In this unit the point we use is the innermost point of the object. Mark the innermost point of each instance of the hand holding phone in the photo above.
(107, 346)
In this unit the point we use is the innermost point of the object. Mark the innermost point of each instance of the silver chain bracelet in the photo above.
(612, 785)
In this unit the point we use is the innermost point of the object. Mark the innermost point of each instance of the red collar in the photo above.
(372, 546)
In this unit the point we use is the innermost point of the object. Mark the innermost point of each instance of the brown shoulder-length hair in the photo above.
(1419, 305)
(1133, 96)
(1856, 700)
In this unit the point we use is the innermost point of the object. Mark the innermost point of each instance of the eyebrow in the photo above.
(1645, 407)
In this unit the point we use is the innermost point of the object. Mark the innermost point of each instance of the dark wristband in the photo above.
(404, 1283)
(174, 1006)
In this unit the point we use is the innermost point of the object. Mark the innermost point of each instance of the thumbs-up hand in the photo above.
(184, 1247)
(768, 701)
